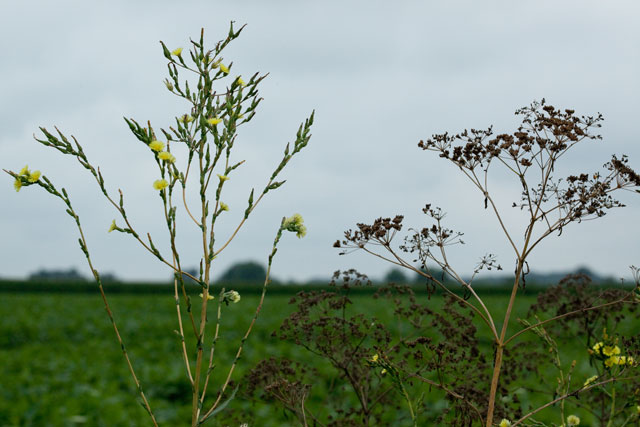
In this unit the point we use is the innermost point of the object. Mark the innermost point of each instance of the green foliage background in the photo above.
(60, 363)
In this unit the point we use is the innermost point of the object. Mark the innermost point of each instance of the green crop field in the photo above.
(61, 365)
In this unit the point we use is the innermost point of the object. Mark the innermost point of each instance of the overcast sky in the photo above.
(380, 75)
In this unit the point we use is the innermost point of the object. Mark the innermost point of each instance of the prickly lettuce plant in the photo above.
(193, 154)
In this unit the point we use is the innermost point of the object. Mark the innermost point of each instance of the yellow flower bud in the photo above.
(572, 420)
(177, 52)
(224, 68)
(160, 184)
(166, 156)
(156, 145)
(34, 176)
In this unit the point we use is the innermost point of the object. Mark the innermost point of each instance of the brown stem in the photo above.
(573, 393)
(115, 327)
(500, 348)
(239, 352)
(448, 391)
(582, 310)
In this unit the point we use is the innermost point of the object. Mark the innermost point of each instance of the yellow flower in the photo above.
(231, 296)
(610, 351)
(613, 360)
(185, 119)
(113, 226)
(224, 68)
(224, 206)
(165, 155)
(590, 380)
(17, 184)
(160, 184)
(505, 423)
(597, 346)
(630, 360)
(374, 358)
(295, 225)
(25, 170)
(177, 52)
(222, 177)
(209, 297)
(214, 121)
(240, 81)
(34, 176)
(572, 420)
(638, 409)
(383, 372)
(156, 145)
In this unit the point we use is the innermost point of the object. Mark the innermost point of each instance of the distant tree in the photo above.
(69, 275)
(436, 272)
(248, 271)
(109, 277)
(193, 271)
(396, 275)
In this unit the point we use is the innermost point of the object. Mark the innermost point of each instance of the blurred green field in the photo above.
(61, 365)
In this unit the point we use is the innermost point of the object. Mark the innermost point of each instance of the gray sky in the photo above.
(380, 75)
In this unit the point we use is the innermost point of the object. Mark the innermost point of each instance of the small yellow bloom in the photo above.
(113, 226)
(156, 145)
(590, 380)
(295, 225)
(17, 184)
(613, 360)
(160, 184)
(25, 170)
(610, 351)
(597, 346)
(209, 297)
(630, 360)
(505, 423)
(214, 121)
(223, 177)
(374, 358)
(185, 119)
(383, 372)
(224, 68)
(572, 420)
(34, 176)
(638, 409)
(224, 206)
(231, 296)
(166, 156)
(240, 81)
(177, 52)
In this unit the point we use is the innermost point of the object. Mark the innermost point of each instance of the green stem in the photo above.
(613, 405)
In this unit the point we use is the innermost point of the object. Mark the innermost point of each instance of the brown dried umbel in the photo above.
(530, 154)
